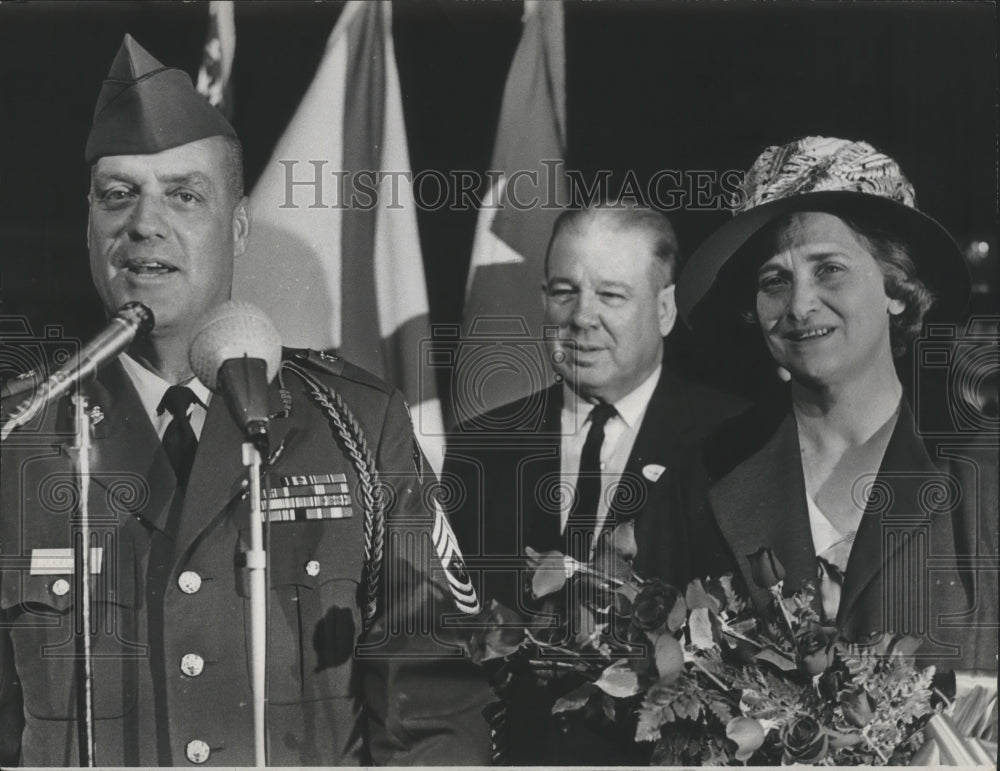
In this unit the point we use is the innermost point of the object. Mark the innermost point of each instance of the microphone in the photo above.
(132, 320)
(238, 351)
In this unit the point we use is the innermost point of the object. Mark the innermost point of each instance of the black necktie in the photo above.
(179, 440)
(583, 518)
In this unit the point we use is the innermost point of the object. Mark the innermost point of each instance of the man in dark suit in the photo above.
(556, 469)
(357, 554)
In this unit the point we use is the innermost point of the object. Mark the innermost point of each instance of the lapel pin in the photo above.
(653, 471)
(96, 415)
(273, 457)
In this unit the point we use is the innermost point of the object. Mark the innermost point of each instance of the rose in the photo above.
(623, 540)
(669, 658)
(833, 680)
(613, 554)
(747, 734)
(803, 741)
(501, 635)
(657, 604)
(765, 568)
(859, 708)
(549, 571)
(831, 583)
(814, 650)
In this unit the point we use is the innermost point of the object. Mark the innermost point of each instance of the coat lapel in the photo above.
(218, 472)
(129, 461)
(666, 422)
(541, 511)
(893, 508)
(761, 503)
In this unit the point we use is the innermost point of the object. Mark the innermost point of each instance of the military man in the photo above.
(363, 571)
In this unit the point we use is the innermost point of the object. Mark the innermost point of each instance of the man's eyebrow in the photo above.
(104, 177)
(195, 178)
(614, 285)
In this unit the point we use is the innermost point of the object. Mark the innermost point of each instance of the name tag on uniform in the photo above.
(59, 562)
(312, 496)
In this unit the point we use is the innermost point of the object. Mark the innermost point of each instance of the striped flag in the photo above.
(217, 58)
(504, 300)
(334, 255)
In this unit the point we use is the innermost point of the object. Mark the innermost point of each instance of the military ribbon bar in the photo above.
(305, 497)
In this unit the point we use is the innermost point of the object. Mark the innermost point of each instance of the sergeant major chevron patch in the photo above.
(450, 555)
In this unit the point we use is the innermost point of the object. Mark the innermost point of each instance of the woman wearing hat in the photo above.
(831, 263)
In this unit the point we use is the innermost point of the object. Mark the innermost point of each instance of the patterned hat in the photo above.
(829, 175)
(145, 107)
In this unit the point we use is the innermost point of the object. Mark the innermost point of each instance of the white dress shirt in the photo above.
(151, 388)
(619, 436)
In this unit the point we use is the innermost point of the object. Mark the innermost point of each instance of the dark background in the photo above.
(650, 86)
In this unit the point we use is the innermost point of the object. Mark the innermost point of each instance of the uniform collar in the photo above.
(151, 386)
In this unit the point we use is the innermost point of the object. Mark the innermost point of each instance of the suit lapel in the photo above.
(761, 503)
(661, 427)
(540, 511)
(894, 505)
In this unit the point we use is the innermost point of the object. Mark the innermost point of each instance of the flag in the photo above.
(217, 58)
(334, 255)
(501, 356)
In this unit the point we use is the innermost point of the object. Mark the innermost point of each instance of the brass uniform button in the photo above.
(189, 582)
(192, 664)
(197, 751)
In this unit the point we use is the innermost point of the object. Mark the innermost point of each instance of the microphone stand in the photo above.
(257, 565)
(83, 440)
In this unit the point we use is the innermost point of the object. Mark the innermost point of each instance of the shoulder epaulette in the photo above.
(336, 365)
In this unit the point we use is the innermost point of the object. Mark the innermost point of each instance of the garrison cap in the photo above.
(145, 107)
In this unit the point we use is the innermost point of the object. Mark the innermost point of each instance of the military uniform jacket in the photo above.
(924, 560)
(171, 597)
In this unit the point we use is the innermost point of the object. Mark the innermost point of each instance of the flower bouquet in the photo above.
(701, 677)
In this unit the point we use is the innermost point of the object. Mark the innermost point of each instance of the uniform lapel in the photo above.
(127, 455)
(894, 505)
(761, 503)
(218, 472)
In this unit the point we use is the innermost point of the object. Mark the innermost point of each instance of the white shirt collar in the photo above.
(631, 408)
(151, 388)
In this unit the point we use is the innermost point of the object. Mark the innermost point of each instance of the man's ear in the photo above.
(90, 207)
(241, 226)
(667, 308)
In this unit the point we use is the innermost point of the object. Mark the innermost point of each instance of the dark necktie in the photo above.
(179, 440)
(583, 517)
